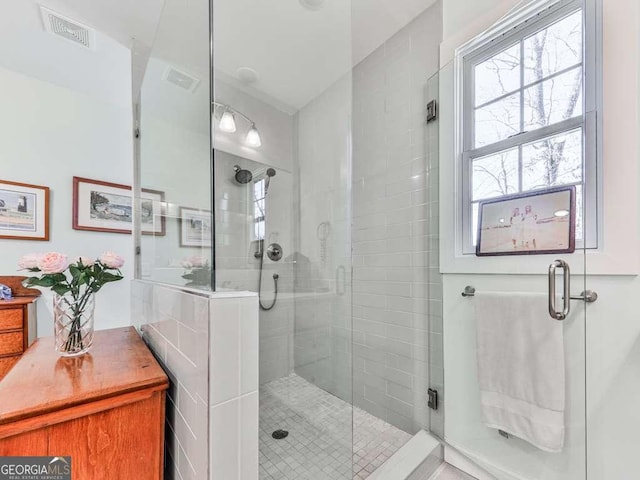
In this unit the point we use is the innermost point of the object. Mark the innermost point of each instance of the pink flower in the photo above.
(194, 261)
(53, 262)
(29, 261)
(86, 261)
(111, 260)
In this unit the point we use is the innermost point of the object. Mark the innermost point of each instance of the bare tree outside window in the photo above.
(533, 84)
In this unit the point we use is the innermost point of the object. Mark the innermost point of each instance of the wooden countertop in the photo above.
(17, 301)
(43, 382)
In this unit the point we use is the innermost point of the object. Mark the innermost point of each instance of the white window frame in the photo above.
(258, 205)
(518, 26)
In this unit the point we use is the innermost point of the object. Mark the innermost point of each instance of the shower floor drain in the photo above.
(280, 434)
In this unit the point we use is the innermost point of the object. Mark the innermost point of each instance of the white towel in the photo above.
(521, 370)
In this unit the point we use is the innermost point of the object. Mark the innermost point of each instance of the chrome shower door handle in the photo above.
(566, 297)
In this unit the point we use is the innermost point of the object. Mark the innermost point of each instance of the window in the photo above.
(259, 201)
(527, 106)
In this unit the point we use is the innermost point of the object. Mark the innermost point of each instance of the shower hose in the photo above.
(275, 284)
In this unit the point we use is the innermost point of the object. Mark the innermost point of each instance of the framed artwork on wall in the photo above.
(24, 211)
(108, 207)
(532, 223)
(196, 227)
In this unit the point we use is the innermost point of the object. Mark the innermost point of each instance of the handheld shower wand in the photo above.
(274, 254)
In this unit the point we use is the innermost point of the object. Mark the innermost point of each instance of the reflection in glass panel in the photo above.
(175, 147)
(579, 213)
(498, 75)
(495, 175)
(553, 100)
(497, 121)
(553, 161)
(553, 49)
(474, 222)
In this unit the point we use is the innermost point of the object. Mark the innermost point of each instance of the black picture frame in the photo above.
(540, 222)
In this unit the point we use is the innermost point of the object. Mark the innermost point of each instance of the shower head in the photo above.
(271, 172)
(242, 176)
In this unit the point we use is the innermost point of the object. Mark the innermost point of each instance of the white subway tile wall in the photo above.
(175, 325)
(234, 401)
(397, 314)
(211, 425)
(322, 326)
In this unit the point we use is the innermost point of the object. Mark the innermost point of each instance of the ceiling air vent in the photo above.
(67, 28)
(181, 79)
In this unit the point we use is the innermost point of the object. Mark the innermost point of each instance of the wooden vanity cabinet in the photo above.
(17, 322)
(105, 409)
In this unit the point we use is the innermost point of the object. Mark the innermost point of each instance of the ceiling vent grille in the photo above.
(181, 79)
(67, 28)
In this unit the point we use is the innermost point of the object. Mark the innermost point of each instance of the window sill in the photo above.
(591, 262)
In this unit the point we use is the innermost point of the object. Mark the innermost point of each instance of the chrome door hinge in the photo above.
(433, 399)
(432, 111)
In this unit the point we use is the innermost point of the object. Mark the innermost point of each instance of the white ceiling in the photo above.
(103, 72)
(297, 53)
(121, 20)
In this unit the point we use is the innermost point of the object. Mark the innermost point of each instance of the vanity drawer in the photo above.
(11, 318)
(11, 343)
(6, 364)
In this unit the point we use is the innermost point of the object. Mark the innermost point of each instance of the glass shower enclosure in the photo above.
(326, 204)
(296, 162)
(305, 151)
(281, 117)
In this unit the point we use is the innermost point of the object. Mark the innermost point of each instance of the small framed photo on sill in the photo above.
(108, 207)
(24, 211)
(196, 227)
(532, 223)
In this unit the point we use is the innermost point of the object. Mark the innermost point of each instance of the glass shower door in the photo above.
(281, 128)
(551, 278)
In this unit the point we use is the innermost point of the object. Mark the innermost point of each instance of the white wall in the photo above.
(48, 134)
(611, 329)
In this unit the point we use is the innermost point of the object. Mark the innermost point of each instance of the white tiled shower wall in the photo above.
(233, 387)
(322, 327)
(175, 325)
(236, 266)
(210, 426)
(397, 293)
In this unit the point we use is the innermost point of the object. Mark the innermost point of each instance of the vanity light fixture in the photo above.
(227, 123)
(253, 137)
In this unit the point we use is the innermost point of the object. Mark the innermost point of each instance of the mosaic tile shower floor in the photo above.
(319, 443)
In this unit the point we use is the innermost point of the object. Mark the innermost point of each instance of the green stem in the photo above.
(75, 340)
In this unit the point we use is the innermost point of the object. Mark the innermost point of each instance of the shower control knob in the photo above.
(274, 252)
